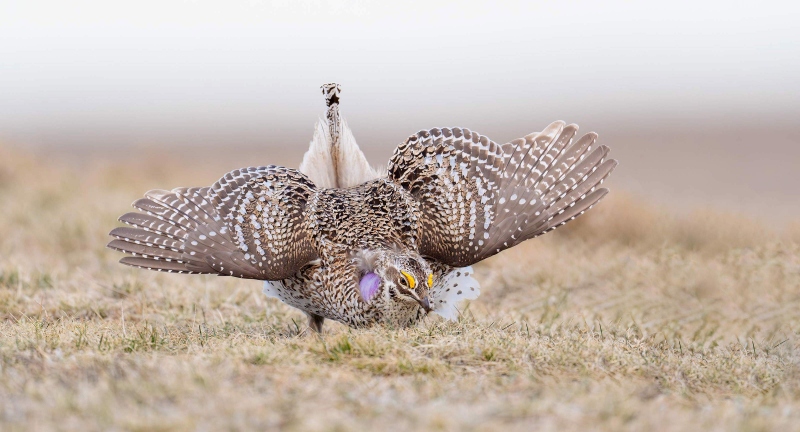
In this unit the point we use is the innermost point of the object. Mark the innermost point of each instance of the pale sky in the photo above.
(158, 71)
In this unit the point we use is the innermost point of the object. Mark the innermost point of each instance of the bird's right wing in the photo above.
(478, 198)
(252, 223)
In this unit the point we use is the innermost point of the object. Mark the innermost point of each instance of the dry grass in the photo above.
(629, 319)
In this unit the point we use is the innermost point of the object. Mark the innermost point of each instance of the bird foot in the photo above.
(315, 322)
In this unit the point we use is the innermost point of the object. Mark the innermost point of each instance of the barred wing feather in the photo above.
(251, 224)
(479, 198)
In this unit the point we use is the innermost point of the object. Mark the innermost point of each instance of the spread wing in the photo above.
(478, 198)
(252, 223)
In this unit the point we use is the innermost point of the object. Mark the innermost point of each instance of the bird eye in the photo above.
(403, 282)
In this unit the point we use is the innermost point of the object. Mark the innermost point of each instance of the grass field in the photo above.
(631, 318)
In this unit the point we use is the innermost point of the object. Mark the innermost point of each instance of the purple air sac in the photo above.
(369, 285)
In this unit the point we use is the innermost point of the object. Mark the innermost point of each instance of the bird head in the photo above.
(396, 281)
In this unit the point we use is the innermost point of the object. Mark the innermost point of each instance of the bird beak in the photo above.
(425, 304)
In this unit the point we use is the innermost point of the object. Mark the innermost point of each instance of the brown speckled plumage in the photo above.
(450, 198)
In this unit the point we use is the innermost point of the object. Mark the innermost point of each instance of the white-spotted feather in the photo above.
(451, 289)
(478, 198)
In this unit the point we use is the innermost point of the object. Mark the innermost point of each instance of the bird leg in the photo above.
(315, 322)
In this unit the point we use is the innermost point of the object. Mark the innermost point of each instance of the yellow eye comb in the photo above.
(412, 283)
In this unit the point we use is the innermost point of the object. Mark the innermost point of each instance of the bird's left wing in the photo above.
(478, 198)
(252, 223)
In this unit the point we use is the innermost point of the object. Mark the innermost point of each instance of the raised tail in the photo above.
(334, 159)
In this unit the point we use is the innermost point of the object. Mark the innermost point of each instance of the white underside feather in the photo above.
(451, 289)
(271, 289)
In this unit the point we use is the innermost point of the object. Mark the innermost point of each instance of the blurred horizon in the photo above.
(698, 100)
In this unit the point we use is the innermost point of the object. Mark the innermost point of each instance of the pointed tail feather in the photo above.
(333, 159)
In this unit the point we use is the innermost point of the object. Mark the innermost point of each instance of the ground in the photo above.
(631, 318)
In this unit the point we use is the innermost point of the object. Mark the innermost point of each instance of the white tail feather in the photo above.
(333, 159)
(322, 159)
(354, 167)
(318, 162)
